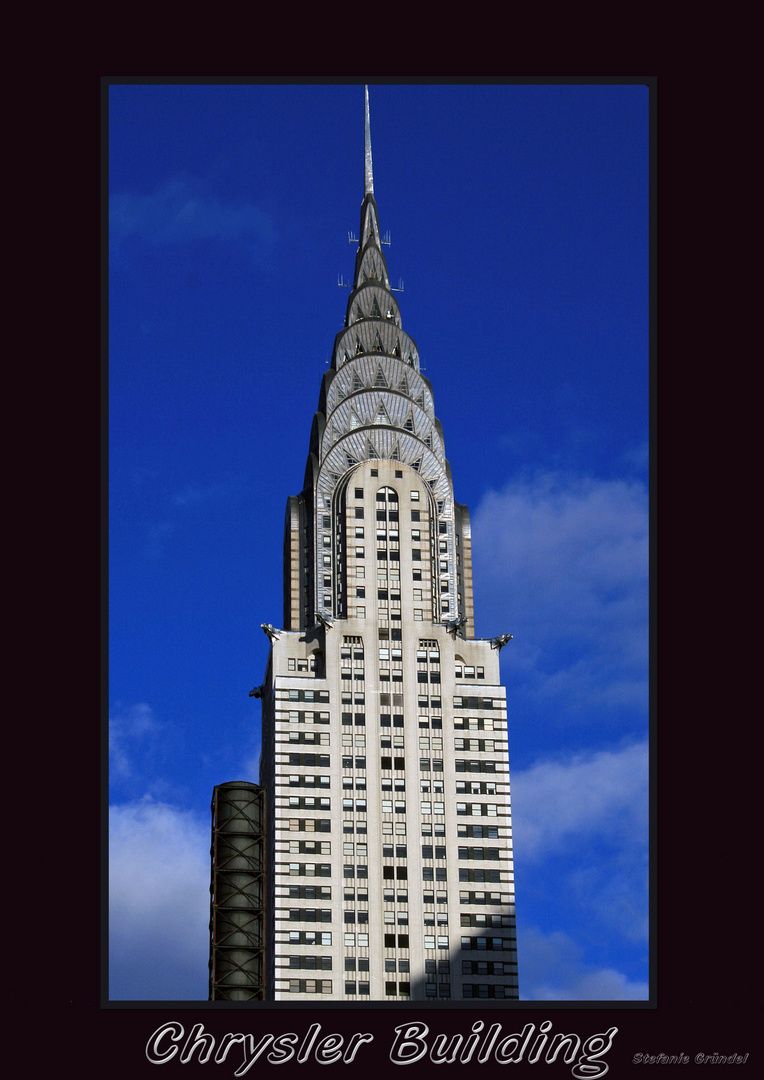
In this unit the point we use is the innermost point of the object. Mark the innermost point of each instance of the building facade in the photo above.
(386, 857)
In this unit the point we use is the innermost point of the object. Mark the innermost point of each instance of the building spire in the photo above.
(367, 167)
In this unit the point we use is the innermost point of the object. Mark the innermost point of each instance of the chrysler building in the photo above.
(372, 861)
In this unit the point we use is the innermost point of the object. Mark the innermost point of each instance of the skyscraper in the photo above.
(374, 859)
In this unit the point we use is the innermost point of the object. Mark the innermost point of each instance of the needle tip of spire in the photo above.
(368, 171)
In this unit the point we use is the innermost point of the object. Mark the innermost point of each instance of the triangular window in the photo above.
(409, 424)
(354, 420)
(359, 349)
(382, 416)
(378, 346)
(357, 384)
(420, 400)
(351, 461)
(417, 464)
(380, 380)
(371, 450)
(397, 349)
(375, 312)
(395, 455)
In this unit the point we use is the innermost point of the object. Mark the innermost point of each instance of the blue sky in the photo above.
(519, 224)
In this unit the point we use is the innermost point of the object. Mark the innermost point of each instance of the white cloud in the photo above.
(552, 969)
(580, 830)
(158, 902)
(181, 211)
(561, 562)
(638, 457)
(129, 728)
(603, 795)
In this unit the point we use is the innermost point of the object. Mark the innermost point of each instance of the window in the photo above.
(310, 986)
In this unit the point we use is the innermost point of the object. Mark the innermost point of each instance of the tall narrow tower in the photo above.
(384, 770)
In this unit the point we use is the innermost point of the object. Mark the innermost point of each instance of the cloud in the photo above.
(580, 829)
(158, 902)
(603, 794)
(638, 457)
(552, 969)
(561, 560)
(129, 730)
(180, 212)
